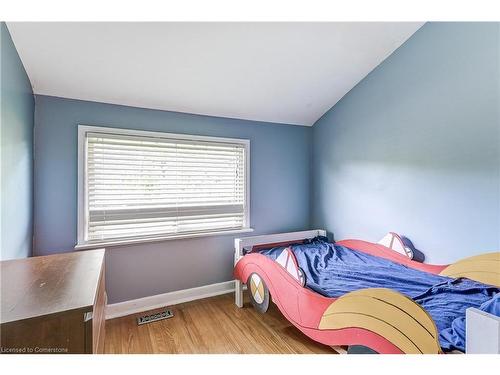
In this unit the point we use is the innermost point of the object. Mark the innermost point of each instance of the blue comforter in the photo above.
(334, 270)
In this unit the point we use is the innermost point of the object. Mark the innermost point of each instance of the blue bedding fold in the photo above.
(334, 270)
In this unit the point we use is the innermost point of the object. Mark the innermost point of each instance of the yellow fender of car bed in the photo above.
(484, 268)
(388, 313)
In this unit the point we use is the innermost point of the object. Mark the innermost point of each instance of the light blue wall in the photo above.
(280, 158)
(415, 146)
(16, 133)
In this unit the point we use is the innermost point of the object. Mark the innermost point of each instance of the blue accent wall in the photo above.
(279, 157)
(415, 146)
(16, 133)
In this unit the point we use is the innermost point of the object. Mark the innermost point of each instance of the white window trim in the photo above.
(82, 189)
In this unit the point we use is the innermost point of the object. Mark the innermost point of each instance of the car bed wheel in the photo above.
(259, 294)
(360, 349)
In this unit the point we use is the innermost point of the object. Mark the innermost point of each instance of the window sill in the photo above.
(95, 245)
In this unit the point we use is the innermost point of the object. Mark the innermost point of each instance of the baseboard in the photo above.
(117, 310)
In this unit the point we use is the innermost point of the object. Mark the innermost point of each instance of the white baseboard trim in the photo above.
(117, 310)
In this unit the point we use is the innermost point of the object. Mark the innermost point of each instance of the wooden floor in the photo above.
(212, 325)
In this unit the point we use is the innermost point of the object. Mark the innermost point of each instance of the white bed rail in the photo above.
(482, 332)
(245, 242)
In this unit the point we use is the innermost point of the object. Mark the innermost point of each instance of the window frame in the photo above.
(82, 211)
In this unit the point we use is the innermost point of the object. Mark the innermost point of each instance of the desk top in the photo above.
(47, 285)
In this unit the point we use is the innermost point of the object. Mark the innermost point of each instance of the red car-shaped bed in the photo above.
(381, 319)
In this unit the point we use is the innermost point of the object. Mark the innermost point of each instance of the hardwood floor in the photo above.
(212, 325)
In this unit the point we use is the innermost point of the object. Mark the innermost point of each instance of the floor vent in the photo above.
(154, 317)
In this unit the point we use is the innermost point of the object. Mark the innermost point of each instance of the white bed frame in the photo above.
(482, 332)
(245, 242)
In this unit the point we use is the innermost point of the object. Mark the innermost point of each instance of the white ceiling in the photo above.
(278, 72)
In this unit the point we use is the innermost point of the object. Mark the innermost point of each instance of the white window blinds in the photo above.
(146, 186)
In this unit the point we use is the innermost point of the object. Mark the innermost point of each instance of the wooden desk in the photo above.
(53, 304)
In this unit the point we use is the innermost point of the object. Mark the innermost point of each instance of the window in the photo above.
(137, 185)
